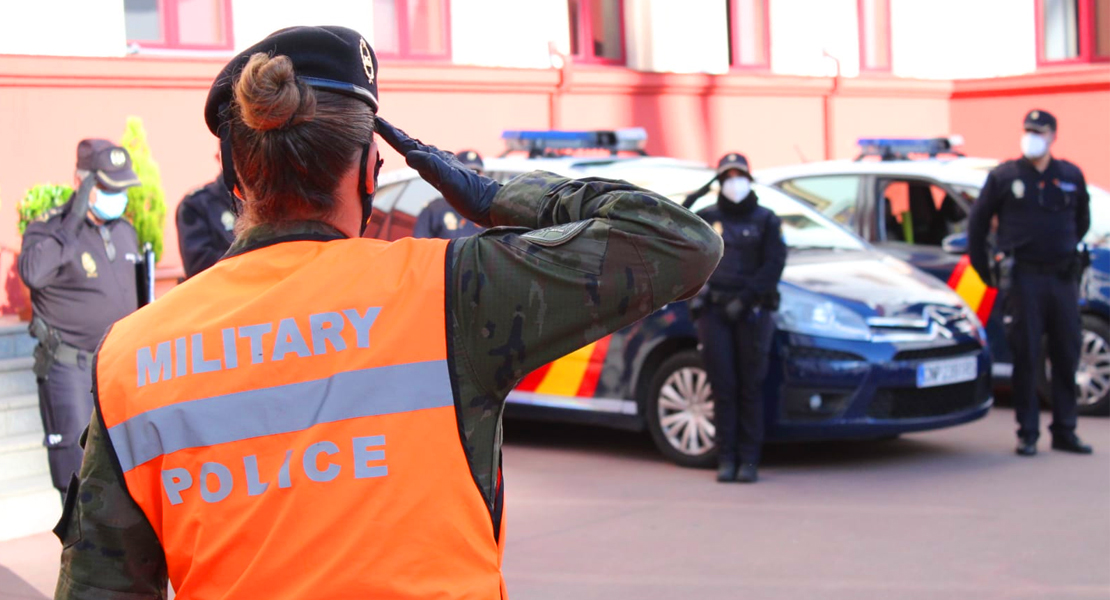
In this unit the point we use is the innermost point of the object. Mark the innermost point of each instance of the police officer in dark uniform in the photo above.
(439, 220)
(733, 315)
(205, 226)
(1043, 212)
(79, 260)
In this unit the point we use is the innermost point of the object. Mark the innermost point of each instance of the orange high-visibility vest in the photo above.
(286, 422)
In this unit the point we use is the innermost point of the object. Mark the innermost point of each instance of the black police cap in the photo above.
(1040, 120)
(734, 160)
(332, 59)
(470, 159)
(110, 163)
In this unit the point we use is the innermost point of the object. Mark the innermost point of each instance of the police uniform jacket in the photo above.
(80, 283)
(439, 220)
(755, 253)
(205, 226)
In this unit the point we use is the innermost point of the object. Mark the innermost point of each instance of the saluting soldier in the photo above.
(79, 262)
(318, 415)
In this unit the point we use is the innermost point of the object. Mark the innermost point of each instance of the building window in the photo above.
(416, 29)
(597, 31)
(179, 24)
(1073, 31)
(874, 35)
(749, 40)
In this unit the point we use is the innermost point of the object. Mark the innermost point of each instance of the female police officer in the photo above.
(318, 415)
(734, 325)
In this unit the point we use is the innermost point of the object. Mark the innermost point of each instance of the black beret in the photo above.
(333, 59)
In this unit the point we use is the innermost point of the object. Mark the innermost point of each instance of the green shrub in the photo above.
(40, 199)
(146, 203)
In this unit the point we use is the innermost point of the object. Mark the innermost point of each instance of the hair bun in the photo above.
(269, 96)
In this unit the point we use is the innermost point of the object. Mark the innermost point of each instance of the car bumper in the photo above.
(836, 390)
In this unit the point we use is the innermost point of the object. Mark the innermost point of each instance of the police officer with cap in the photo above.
(79, 262)
(205, 226)
(1043, 211)
(733, 313)
(439, 220)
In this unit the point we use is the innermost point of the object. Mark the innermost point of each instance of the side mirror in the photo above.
(955, 243)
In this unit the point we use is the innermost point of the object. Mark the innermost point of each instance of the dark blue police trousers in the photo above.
(1040, 306)
(735, 356)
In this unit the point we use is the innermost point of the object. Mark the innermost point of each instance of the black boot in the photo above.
(1026, 447)
(749, 473)
(1070, 443)
(726, 470)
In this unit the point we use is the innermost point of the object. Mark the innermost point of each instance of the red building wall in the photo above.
(48, 104)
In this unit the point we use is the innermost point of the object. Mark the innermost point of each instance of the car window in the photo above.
(386, 196)
(919, 212)
(416, 195)
(834, 196)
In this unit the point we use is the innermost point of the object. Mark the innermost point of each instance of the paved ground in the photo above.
(596, 514)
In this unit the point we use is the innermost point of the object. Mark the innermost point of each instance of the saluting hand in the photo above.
(80, 204)
(466, 191)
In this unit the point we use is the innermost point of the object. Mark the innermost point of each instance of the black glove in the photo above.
(467, 192)
(79, 204)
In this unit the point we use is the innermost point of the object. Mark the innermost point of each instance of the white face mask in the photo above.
(1033, 145)
(736, 188)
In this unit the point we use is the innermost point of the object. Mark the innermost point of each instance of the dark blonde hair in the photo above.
(291, 144)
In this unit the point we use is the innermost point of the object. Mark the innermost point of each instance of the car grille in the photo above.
(939, 352)
(812, 353)
(914, 403)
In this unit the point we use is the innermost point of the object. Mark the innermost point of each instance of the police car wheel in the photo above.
(1092, 378)
(679, 410)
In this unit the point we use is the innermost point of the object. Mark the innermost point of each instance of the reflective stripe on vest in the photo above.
(286, 422)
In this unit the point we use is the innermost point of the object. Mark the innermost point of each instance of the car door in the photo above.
(913, 216)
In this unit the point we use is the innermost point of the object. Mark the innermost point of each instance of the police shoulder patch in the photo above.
(1018, 188)
(557, 235)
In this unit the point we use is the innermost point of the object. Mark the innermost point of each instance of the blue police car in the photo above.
(911, 198)
(866, 345)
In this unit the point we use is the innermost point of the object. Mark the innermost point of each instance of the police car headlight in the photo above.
(812, 314)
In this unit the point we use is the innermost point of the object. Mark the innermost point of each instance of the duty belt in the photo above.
(70, 355)
(1059, 268)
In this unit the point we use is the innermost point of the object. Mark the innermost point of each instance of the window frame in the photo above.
(171, 29)
(863, 47)
(1085, 28)
(585, 34)
(733, 32)
(404, 43)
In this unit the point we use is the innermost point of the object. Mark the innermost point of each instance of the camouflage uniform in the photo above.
(568, 262)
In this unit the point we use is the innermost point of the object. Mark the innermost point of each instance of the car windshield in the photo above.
(1100, 216)
(802, 227)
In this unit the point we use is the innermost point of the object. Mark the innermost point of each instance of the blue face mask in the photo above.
(110, 206)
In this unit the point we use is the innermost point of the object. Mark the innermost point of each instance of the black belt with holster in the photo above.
(52, 349)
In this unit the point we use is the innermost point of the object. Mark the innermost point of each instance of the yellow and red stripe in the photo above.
(969, 286)
(575, 374)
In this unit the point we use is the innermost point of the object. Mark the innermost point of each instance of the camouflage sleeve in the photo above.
(568, 262)
(109, 549)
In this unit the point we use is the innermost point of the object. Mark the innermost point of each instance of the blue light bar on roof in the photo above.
(904, 146)
(633, 139)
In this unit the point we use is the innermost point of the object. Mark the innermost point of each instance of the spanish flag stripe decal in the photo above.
(533, 379)
(566, 374)
(593, 370)
(966, 282)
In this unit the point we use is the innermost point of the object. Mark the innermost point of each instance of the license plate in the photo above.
(944, 372)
